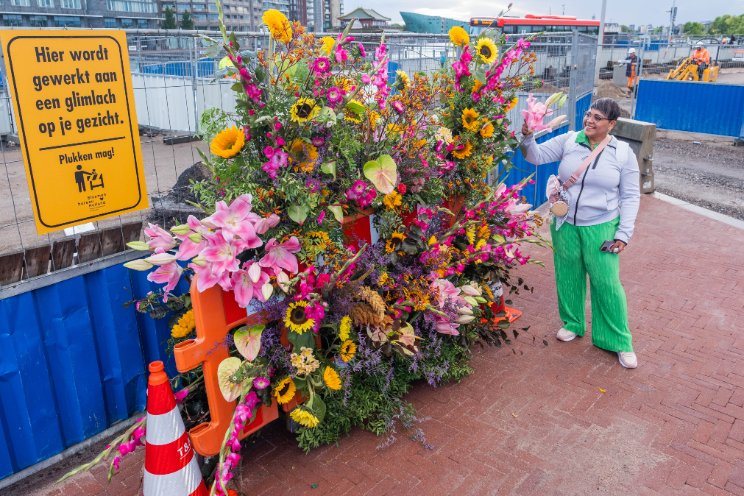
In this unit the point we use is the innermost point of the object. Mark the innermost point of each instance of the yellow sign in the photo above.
(74, 107)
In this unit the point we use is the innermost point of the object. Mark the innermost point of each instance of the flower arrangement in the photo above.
(321, 134)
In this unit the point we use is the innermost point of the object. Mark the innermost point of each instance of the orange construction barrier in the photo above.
(171, 469)
(216, 314)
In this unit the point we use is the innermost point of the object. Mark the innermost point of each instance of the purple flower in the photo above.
(313, 185)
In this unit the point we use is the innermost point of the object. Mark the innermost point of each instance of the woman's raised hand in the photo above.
(525, 130)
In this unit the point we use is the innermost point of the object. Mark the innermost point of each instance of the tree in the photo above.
(693, 29)
(186, 21)
(727, 24)
(169, 22)
(625, 29)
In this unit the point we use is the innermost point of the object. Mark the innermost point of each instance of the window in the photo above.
(38, 21)
(139, 6)
(110, 22)
(142, 23)
(12, 20)
(127, 23)
(45, 3)
(67, 21)
(70, 4)
(20, 3)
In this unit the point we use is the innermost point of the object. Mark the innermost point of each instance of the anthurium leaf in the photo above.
(248, 341)
(298, 213)
(383, 173)
(337, 212)
(329, 168)
(225, 372)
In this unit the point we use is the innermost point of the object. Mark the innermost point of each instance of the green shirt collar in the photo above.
(583, 140)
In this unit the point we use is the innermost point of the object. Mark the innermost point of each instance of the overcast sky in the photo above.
(620, 11)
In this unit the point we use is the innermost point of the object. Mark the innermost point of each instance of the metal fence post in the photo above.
(634, 91)
(194, 78)
(572, 89)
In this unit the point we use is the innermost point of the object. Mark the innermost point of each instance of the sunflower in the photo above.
(511, 104)
(295, 318)
(344, 328)
(284, 391)
(328, 43)
(396, 239)
(228, 142)
(304, 109)
(278, 25)
(403, 77)
(463, 150)
(477, 85)
(470, 119)
(348, 350)
(184, 326)
(303, 154)
(331, 379)
(304, 417)
(486, 50)
(458, 36)
(392, 200)
(487, 130)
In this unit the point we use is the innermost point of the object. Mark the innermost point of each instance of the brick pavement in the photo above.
(564, 419)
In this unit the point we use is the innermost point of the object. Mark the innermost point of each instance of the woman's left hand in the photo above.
(618, 246)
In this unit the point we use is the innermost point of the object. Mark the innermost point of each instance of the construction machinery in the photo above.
(687, 70)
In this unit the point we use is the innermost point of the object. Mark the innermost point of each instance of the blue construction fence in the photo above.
(203, 68)
(73, 362)
(692, 106)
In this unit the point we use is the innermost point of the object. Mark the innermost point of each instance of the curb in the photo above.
(731, 221)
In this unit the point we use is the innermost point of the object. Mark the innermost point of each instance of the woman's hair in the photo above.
(608, 107)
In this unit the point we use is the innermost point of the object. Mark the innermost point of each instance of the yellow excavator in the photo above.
(687, 70)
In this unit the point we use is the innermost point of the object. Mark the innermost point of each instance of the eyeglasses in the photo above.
(595, 117)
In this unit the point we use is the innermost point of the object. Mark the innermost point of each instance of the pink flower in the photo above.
(168, 274)
(362, 51)
(281, 254)
(397, 106)
(277, 161)
(535, 113)
(160, 239)
(341, 54)
(247, 284)
(334, 96)
(264, 224)
(321, 217)
(220, 255)
(321, 65)
(261, 382)
(181, 395)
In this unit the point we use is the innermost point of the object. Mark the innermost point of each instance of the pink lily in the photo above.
(281, 254)
(248, 283)
(264, 224)
(220, 254)
(535, 113)
(234, 221)
(168, 274)
(160, 239)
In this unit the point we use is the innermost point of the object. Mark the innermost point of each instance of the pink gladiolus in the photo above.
(168, 274)
(535, 113)
(181, 395)
(341, 54)
(321, 217)
(281, 254)
(160, 239)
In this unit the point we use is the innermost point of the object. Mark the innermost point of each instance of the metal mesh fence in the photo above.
(175, 79)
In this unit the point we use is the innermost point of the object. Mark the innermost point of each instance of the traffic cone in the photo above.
(171, 468)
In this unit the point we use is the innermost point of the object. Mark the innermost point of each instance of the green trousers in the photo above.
(576, 254)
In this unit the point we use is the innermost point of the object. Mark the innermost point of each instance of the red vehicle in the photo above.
(531, 23)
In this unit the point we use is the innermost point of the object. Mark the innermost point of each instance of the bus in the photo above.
(531, 23)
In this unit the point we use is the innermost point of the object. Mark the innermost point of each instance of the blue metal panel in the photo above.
(582, 105)
(709, 108)
(73, 362)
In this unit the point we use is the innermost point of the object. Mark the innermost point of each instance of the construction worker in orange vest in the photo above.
(631, 68)
(701, 57)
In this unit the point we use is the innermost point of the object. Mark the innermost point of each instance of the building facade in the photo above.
(124, 14)
(366, 19)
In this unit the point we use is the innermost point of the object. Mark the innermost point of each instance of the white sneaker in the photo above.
(565, 335)
(627, 359)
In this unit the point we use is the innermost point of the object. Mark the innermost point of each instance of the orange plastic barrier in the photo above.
(216, 313)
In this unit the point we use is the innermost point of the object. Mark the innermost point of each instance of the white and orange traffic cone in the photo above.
(171, 468)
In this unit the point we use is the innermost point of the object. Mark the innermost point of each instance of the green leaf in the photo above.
(383, 173)
(299, 341)
(318, 407)
(338, 212)
(299, 72)
(329, 168)
(298, 213)
(248, 341)
(356, 107)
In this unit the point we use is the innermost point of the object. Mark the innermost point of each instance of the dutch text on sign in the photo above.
(74, 105)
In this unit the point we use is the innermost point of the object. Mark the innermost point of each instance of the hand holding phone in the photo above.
(607, 246)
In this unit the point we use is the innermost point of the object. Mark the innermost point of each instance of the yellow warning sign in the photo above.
(75, 112)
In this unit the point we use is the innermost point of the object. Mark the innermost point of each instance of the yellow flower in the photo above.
(304, 417)
(470, 233)
(470, 119)
(463, 150)
(511, 104)
(432, 241)
(392, 200)
(348, 350)
(303, 154)
(184, 326)
(444, 134)
(344, 328)
(350, 115)
(228, 143)
(486, 50)
(384, 278)
(394, 242)
(328, 43)
(403, 77)
(304, 109)
(373, 117)
(487, 130)
(278, 25)
(331, 379)
(304, 362)
(295, 318)
(459, 36)
(477, 85)
(481, 244)
(484, 231)
(284, 391)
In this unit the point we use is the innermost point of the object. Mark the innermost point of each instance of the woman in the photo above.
(603, 204)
